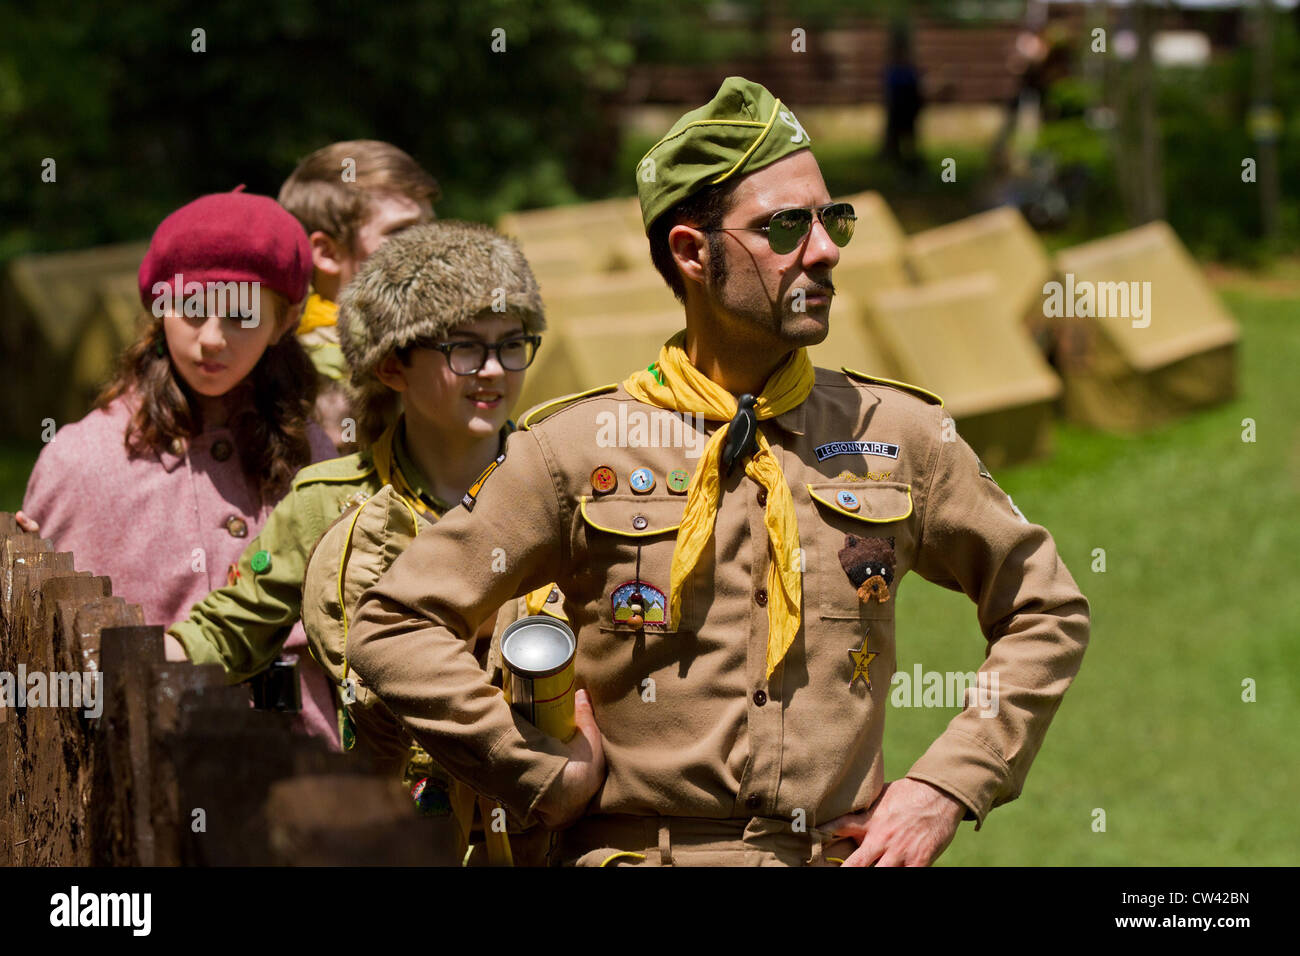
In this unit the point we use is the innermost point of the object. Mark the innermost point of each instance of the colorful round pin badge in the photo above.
(261, 562)
(847, 500)
(603, 480)
(678, 481)
(642, 481)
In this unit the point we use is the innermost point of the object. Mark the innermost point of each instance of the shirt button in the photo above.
(237, 527)
(753, 802)
(760, 698)
(640, 522)
(221, 449)
(760, 597)
(762, 496)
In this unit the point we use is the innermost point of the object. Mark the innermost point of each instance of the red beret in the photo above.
(229, 237)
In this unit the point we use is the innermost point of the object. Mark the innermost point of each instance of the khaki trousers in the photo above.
(619, 840)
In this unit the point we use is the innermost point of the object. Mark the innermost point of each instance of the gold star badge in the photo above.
(862, 659)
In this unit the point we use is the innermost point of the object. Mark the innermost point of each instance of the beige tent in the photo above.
(958, 339)
(850, 343)
(1155, 341)
(595, 237)
(595, 350)
(64, 318)
(999, 241)
(877, 225)
(609, 294)
(587, 351)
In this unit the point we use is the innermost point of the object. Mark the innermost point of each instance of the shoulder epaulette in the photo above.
(541, 412)
(352, 467)
(916, 390)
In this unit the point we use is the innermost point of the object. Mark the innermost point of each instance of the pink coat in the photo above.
(164, 528)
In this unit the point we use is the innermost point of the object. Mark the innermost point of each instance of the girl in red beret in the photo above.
(187, 451)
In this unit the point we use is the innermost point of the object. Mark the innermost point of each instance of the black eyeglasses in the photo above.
(787, 228)
(466, 358)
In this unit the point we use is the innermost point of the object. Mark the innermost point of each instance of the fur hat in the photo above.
(422, 283)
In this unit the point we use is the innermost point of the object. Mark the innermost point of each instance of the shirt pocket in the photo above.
(630, 542)
(861, 533)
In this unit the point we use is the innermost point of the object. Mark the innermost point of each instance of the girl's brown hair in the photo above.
(269, 423)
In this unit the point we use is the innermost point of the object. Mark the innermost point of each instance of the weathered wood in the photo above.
(123, 787)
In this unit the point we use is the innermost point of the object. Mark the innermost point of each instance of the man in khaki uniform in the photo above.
(730, 529)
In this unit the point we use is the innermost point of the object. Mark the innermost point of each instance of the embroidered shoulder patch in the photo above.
(471, 496)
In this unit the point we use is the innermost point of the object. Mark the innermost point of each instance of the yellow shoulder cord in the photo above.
(343, 563)
(622, 854)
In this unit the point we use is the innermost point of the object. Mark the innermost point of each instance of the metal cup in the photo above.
(538, 654)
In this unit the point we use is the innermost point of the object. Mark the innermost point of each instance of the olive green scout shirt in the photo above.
(243, 625)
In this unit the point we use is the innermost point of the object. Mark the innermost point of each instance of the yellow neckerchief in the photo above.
(317, 314)
(680, 387)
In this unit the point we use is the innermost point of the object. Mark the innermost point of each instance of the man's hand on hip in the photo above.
(910, 824)
(582, 776)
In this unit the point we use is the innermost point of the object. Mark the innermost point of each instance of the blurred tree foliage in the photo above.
(1205, 134)
(138, 123)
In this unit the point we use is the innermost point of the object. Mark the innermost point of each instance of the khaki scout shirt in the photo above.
(716, 738)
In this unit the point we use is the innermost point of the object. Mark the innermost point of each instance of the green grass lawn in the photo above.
(1199, 593)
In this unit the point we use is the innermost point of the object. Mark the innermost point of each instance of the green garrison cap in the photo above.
(743, 128)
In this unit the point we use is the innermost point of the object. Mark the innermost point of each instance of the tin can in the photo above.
(538, 654)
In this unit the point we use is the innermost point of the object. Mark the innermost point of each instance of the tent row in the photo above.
(1123, 333)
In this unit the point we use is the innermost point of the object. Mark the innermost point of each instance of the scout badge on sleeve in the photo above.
(538, 677)
(861, 658)
(471, 496)
(869, 563)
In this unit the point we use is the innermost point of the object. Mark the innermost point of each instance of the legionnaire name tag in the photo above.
(879, 448)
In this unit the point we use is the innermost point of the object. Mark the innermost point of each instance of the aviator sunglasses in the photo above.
(787, 228)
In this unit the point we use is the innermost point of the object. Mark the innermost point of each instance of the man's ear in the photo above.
(392, 372)
(690, 250)
(327, 255)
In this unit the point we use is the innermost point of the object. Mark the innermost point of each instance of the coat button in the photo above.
(221, 449)
(762, 496)
(753, 802)
(760, 597)
(177, 447)
(760, 698)
(237, 526)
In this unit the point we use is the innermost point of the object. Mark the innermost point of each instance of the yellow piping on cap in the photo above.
(740, 162)
(706, 122)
